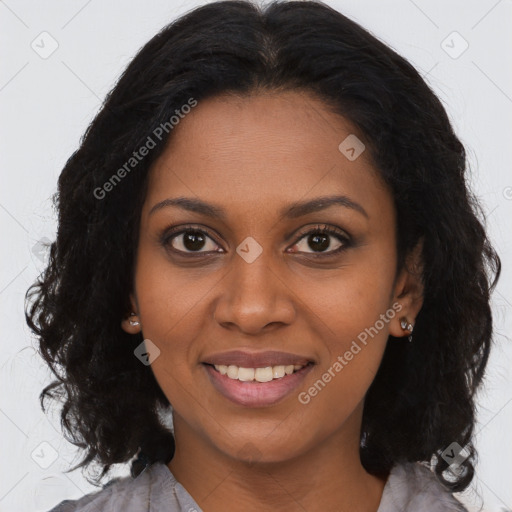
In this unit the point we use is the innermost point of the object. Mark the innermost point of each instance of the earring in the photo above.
(134, 322)
(407, 326)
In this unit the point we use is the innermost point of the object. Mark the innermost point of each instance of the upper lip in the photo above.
(246, 359)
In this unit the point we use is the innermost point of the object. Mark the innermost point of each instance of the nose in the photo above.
(253, 297)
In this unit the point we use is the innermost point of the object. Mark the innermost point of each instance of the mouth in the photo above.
(261, 374)
(257, 386)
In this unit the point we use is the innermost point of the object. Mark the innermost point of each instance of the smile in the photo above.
(256, 387)
(265, 374)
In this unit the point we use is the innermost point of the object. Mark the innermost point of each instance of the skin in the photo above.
(253, 156)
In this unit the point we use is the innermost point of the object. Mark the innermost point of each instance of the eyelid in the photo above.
(344, 238)
(169, 234)
(326, 228)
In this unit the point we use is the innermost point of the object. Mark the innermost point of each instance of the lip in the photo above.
(256, 394)
(245, 359)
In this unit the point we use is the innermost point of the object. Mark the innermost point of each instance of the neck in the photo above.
(329, 476)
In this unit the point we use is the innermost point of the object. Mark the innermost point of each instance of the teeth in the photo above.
(246, 374)
(278, 372)
(258, 374)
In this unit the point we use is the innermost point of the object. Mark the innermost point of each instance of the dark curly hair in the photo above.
(423, 397)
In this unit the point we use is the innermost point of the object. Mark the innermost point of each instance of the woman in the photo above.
(266, 233)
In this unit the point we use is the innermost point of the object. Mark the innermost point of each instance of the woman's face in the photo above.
(259, 278)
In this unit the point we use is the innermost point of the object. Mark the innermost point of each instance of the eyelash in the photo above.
(169, 234)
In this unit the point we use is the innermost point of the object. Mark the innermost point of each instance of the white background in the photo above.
(46, 105)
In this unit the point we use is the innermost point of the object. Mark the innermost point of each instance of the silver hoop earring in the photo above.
(407, 326)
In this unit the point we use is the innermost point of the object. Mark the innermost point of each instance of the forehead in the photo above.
(264, 149)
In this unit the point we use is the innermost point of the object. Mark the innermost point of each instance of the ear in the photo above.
(408, 291)
(131, 322)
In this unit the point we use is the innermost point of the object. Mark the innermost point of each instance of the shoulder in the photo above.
(412, 487)
(156, 485)
(119, 494)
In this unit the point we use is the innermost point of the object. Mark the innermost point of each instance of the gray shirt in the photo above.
(410, 487)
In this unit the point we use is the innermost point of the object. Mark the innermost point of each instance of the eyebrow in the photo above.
(292, 211)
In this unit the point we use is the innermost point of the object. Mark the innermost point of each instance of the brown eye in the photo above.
(190, 241)
(322, 240)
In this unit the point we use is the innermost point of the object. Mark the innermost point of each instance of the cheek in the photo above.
(172, 300)
(353, 315)
(175, 308)
(353, 346)
(351, 299)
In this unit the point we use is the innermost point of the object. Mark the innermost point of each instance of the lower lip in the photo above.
(256, 394)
